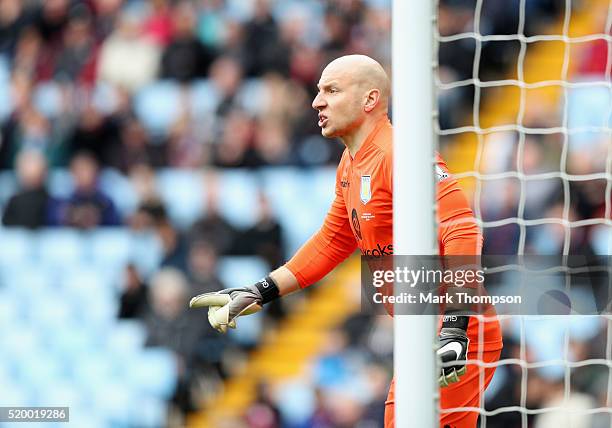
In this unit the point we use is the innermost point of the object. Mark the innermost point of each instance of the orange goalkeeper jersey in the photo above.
(361, 216)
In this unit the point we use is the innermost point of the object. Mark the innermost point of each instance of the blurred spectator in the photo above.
(321, 416)
(264, 238)
(76, 59)
(213, 29)
(234, 150)
(170, 325)
(106, 12)
(185, 148)
(226, 76)
(29, 59)
(149, 212)
(202, 263)
(272, 142)
(51, 19)
(28, 128)
(570, 412)
(213, 228)
(551, 239)
(135, 148)
(30, 206)
(142, 178)
(174, 245)
(127, 58)
(158, 26)
(264, 50)
(185, 58)
(95, 133)
(263, 413)
(88, 206)
(12, 20)
(134, 299)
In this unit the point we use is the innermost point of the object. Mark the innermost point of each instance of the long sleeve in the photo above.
(458, 232)
(327, 248)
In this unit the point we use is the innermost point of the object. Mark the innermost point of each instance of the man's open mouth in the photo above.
(322, 121)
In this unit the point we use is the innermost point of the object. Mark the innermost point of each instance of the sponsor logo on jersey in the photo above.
(441, 175)
(367, 216)
(379, 251)
(365, 191)
(344, 183)
(356, 225)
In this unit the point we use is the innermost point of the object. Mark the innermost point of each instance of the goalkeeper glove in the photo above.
(226, 305)
(453, 347)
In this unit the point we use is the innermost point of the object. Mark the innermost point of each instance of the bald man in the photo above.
(352, 102)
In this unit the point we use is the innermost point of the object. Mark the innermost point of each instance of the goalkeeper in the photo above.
(352, 102)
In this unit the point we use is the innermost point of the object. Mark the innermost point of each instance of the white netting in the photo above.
(527, 120)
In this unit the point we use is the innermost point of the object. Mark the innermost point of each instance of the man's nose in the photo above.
(318, 102)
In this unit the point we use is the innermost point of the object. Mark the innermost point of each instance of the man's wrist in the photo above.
(268, 289)
(456, 319)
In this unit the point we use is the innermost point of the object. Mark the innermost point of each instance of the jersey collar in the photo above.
(377, 127)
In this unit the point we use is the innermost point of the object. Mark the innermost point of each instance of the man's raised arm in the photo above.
(333, 243)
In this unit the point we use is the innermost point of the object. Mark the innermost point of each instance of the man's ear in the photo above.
(371, 100)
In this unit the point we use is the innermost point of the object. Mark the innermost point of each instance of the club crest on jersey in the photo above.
(441, 174)
(365, 192)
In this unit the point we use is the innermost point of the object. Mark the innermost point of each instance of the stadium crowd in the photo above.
(139, 86)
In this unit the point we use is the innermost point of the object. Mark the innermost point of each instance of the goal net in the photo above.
(534, 152)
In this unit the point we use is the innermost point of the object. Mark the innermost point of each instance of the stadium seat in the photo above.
(60, 248)
(238, 201)
(158, 106)
(17, 247)
(126, 338)
(299, 200)
(110, 249)
(53, 313)
(204, 98)
(71, 342)
(93, 369)
(6, 103)
(588, 107)
(8, 186)
(29, 281)
(47, 99)
(39, 373)
(299, 403)
(139, 369)
(105, 97)
(119, 188)
(16, 394)
(183, 194)
(288, 199)
(113, 401)
(67, 393)
(236, 271)
(146, 252)
(60, 183)
(9, 309)
(149, 412)
(253, 96)
(601, 238)
(249, 333)
(93, 298)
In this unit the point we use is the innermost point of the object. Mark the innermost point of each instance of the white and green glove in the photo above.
(226, 305)
(453, 348)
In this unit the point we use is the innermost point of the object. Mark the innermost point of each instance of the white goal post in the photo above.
(413, 202)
